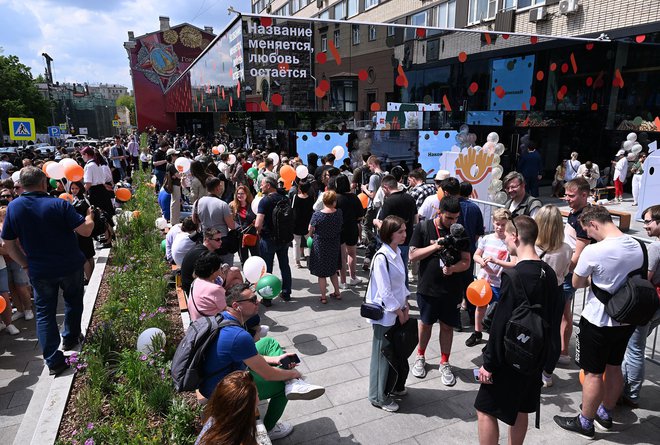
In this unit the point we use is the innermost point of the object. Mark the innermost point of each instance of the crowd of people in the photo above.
(222, 201)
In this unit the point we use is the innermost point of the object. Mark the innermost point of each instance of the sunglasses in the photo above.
(6, 196)
(252, 300)
(217, 239)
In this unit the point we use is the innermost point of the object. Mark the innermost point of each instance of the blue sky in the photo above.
(85, 37)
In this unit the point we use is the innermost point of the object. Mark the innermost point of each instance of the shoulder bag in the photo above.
(373, 311)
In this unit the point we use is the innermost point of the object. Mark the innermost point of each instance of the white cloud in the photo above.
(85, 37)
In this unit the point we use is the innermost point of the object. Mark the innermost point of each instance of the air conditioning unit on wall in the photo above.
(538, 14)
(568, 6)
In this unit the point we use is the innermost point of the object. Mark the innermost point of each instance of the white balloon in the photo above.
(499, 149)
(68, 161)
(497, 171)
(182, 164)
(496, 184)
(161, 223)
(338, 151)
(154, 180)
(464, 129)
(16, 176)
(496, 159)
(636, 149)
(232, 159)
(627, 145)
(472, 138)
(146, 338)
(55, 171)
(489, 147)
(302, 171)
(477, 147)
(254, 268)
(632, 137)
(255, 204)
(222, 148)
(501, 197)
(275, 158)
(493, 137)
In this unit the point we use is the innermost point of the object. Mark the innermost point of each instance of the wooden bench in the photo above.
(623, 217)
(181, 296)
(603, 193)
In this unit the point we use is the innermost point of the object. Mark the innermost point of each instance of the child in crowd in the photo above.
(492, 255)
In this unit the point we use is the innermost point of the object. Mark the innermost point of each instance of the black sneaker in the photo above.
(285, 297)
(603, 424)
(58, 369)
(473, 340)
(266, 302)
(69, 344)
(574, 424)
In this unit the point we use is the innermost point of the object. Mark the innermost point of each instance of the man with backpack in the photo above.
(272, 369)
(603, 340)
(519, 338)
(274, 223)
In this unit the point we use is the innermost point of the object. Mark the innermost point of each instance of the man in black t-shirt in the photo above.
(439, 291)
(212, 242)
(398, 203)
(175, 203)
(159, 161)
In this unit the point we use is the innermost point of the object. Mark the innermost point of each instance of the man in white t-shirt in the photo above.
(603, 340)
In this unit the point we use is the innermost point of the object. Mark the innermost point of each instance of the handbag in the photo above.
(373, 311)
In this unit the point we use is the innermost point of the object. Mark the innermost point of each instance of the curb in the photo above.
(41, 421)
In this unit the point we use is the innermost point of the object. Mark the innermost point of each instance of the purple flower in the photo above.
(142, 316)
(89, 441)
(90, 426)
(162, 309)
(143, 357)
(72, 359)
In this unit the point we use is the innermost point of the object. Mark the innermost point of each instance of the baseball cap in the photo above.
(620, 152)
(442, 174)
(172, 151)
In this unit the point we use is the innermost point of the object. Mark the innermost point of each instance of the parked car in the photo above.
(45, 151)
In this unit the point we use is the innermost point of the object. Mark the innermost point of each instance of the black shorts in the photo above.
(509, 394)
(445, 309)
(602, 346)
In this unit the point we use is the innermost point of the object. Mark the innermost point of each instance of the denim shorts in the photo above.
(4, 281)
(569, 290)
(17, 274)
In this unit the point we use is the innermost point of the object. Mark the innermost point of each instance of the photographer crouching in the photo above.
(442, 248)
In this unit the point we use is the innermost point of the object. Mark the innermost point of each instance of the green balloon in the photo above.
(253, 173)
(309, 242)
(53, 183)
(163, 247)
(269, 286)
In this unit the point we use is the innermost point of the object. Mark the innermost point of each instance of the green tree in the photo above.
(19, 97)
(128, 102)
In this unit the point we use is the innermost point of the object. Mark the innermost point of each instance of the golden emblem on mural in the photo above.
(473, 166)
(190, 37)
(170, 36)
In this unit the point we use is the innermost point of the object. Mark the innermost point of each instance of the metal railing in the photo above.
(651, 353)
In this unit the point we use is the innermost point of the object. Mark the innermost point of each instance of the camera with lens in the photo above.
(453, 244)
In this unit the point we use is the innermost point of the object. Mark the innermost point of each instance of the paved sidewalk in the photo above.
(334, 343)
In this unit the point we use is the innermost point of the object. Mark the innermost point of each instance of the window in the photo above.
(295, 6)
(325, 15)
(390, 31)
(370, 3)
(324, 43)
(482, 10)
(446, 14)
(356, 34)
(352, 8)
(343, 95)
(372, 32)
(521, 4)
(335, 38)
(340, 11)
(419, 19)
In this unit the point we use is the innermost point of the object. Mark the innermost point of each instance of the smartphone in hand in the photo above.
(475, 371)
(286, 361)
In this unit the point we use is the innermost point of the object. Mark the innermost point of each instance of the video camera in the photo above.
(453, 244)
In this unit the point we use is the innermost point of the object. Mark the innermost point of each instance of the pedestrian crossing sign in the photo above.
(22, 129)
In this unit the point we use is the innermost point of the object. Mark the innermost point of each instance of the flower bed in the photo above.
(122, 396)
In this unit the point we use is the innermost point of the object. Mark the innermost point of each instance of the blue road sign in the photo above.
(54, 132)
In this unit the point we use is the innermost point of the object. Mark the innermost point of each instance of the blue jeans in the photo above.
(269, 249)
(633, 361)
(160, 177)
(46, 291)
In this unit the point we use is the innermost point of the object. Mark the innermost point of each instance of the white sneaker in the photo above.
(29, 315)
(17, 315)
(280, 430)
(263, 330)
(298, 389)
(447, 375)
(355, 281)
(13, 330)
(391, 407)
(344, 286)
(419, 368)
(564, 360)
(547, 380)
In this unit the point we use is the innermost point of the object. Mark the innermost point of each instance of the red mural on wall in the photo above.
(157, 60)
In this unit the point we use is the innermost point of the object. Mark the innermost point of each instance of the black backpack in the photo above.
(526, 332)
(191, 352)
(635, 301)
(283, 221)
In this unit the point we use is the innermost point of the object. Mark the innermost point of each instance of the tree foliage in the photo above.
(19, 97)
(128, 102)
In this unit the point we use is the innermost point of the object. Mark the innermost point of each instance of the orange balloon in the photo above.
(261, 165)
(215, 150)
(66, 197)
(479, 293)
(122, 194)
(3, 304)
(288, 173)
(136, 214)
(46, 164)
(581, 376)
(73, 172)
(364, 199)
